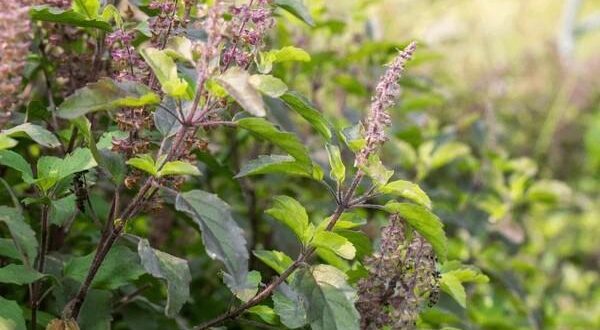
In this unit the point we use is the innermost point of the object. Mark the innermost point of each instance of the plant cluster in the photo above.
(164, 169)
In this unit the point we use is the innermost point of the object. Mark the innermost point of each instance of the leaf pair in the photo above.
(291, 213)
(146, 163)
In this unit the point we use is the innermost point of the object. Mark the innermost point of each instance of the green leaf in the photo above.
(88, 8)
(180, 48)
(464, 273)
(8, 249)
(114, 164)
(265, 313)
(120, 267)
(37, 133)
(354, 137)
(223, 238)
(296, 8)
(335, 243)
(452, 286)
(549, 191)
(290, 307)
(338, 170)
(304, 108)
(277, 260)
(284, 140)
(331, 258)
(237, 84)
(106, 94)
(347, 220)
(62, 209)
(291, 213)
(327, 298)
(424, 222)
(359, 240)
(250, 289)
(11, 315)
(172, 269)
(408, 190)
(111, 12)
(375, 170)
(268, 85)
(22, 234)
(144, 163)
(6, 142)
(166, 121)
(17, 162)
(165, 70)
(285, 54)
(265, 164)
(178, 167)
(447, 153)
(96, 311)
(19, 274)
(53, 169)
(70, 17)
(288, 54)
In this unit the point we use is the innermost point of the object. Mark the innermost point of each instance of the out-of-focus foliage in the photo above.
(500, 122)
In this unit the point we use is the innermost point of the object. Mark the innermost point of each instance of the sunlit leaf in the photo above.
(335, 243)
(165, 70)
(70, 17)
(291, 213)
(284, 140)
(268, 85)
(88, 8)
(178, 167)
(144, 163)
(304, 108)
(424, 222)
(296, 8)
(265, 313)
(338, 170)
(375, 170)
(452, 286)
(106, 94)
(180, 48)
(408, 190)
(277, 260)
(237, 84)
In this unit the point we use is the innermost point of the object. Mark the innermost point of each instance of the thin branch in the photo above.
(35, 300)
(305, 255)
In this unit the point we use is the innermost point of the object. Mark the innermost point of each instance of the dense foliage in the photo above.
(181, 164)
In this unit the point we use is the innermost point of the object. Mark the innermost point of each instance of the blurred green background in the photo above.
(499, 121)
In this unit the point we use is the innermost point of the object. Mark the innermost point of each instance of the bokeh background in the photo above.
(499, 121)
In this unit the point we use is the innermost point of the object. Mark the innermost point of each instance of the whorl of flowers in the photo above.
(402, 276)
(14, 46)
(126, 63)
(247, 29)
(386, 93)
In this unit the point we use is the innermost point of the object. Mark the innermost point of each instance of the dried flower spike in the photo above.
(386, 92)
(402, 277)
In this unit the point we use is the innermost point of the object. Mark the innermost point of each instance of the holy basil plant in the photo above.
(156, 178)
